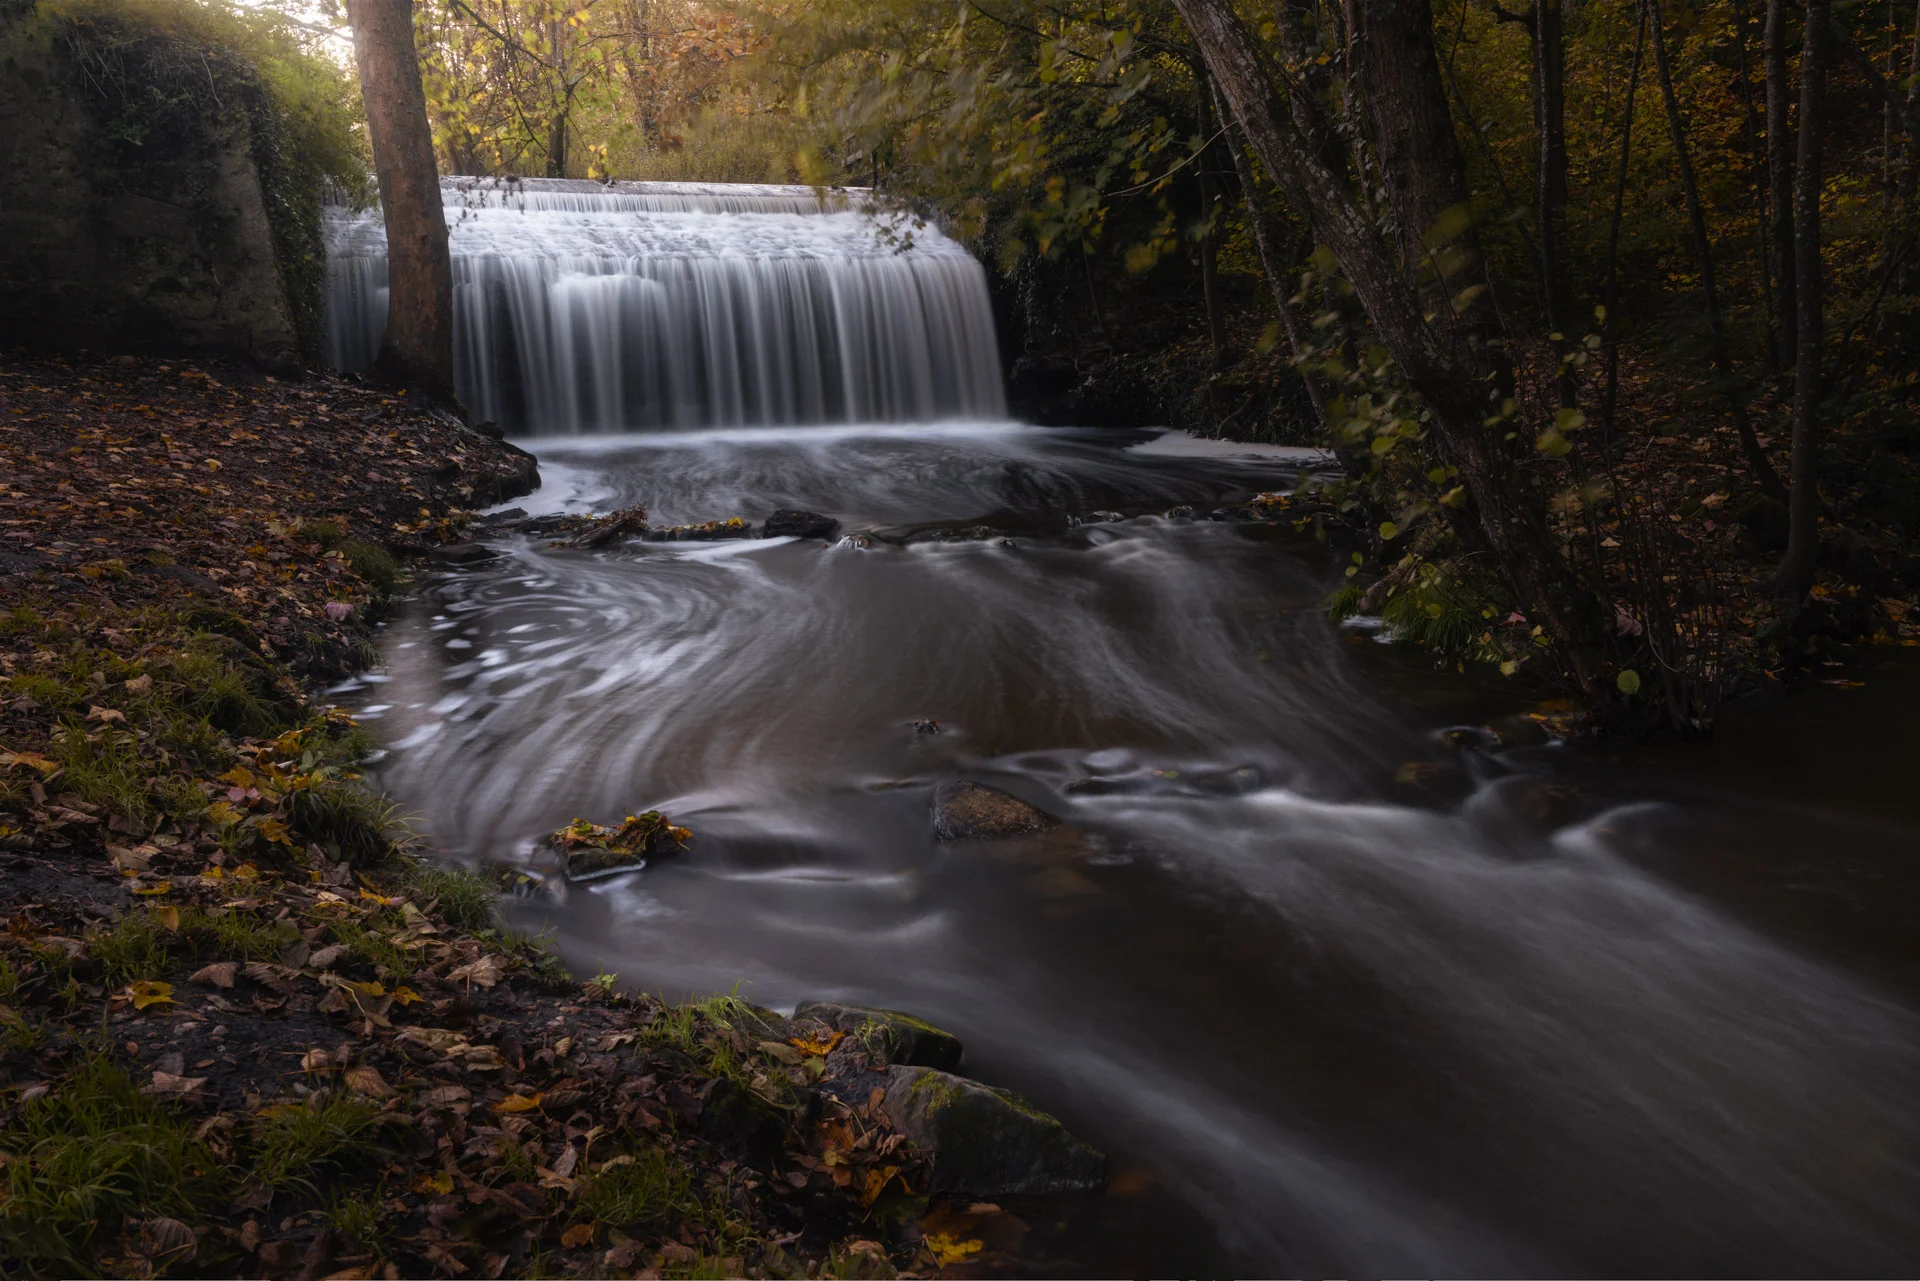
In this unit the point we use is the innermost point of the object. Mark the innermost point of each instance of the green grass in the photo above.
(655, 1191)
(376, 947)
(463, 898)
(359, 1217)
(302, 1146)
(348, 820)
(91, 1152)
(140, 947)
(375, 564)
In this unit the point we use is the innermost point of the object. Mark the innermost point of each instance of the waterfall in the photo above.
(589, 307)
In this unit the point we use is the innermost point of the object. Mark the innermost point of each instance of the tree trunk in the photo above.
(1419, 163)
(1703, 250)
(1611, 322)
(1803, 538)
(417, 351)
(1268, 237)
(1550, 182)
(1507, 520)
(1763, 228)
(1209, 235)
(1780, 178)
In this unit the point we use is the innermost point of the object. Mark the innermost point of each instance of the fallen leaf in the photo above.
(404, 995)
(486, 972)
(948, 1250)
(170, 1083)
(576, 1236)
(817, 1045)
(140, 684)
(106, 715)
(428, 1184)
(150, 992)
(169, 917)
(518, 1103)
(368, 1081)
(159, 887)
(326, 956)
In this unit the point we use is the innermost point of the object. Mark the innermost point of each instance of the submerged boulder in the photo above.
(894, 1037)
(987, 1142)
(796, 524)
(462, 554)
(964, 811)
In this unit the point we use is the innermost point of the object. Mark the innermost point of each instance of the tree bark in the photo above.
(1411, 129)
(1611, 322)
(1550, 180)
(1803, 537)
(1703, 250)
(1268, 238)
(417, 351)
(1209, 237)
(1780, 178)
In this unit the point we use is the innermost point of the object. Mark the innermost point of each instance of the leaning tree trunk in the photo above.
(1507, 521)
(1803, 536)
(1210, 233)
(1717, 343)
(417, 351)
(1780, 178)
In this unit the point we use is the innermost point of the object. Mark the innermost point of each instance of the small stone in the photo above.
(965, 811)
(462, 554)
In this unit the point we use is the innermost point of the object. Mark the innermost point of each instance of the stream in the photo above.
(1344, 981)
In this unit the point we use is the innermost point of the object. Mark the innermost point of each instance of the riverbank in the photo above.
(244, 1030)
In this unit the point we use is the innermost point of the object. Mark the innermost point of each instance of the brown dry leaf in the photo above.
(140, 684)
(368, 1081)
(485, 972)
(576, 1236)
(483, 1058)
(326, 956)
(518, 1103)
(169, 1083)
(568, 1160)
(166, 1236)
(106, 716)
(446, 1096)
(315, 1061)
(434, 1038)
(149, 992)
(169, 917)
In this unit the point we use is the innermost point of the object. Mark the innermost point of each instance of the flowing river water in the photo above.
(1338, 990)
(1346, 967)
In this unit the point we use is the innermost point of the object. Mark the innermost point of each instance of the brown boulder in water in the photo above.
(965, 811)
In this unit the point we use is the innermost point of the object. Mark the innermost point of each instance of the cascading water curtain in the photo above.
(585, 308)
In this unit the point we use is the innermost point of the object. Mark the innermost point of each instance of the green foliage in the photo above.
(375, 564)
(300, 1146)
(463, 897)
(90, 1152)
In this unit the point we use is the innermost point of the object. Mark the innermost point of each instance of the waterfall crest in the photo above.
(589, 307)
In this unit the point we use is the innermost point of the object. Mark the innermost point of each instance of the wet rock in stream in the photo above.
(786, 523)
(895, 1037)
(987, 1142)
(964, 811)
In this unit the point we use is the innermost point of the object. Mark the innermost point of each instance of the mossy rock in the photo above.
(893, 1036)
(975, 812)
(987, 1142)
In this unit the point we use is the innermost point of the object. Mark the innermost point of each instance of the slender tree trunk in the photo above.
(1763, 230)
(1268, 237)
(1611, 298)
(1703, 250)
(1803, 538)
(1780, 178)
(417, 350)
(1209, 236)
(1550, 129)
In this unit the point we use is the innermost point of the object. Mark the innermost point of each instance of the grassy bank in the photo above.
(244, 1030)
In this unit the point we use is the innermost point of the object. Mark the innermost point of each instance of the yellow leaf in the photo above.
(947, 1250)
(274, 830)
(168, 916)
(34, 761)
(157, 888)
(147, 992)
(246, 872)
(577, 1235)
(381, 899)
(877, 1181)
(429, 1183)
(213, 874)
(821, 1046)
(404, 995)
(518, 1103)
(368, 989)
